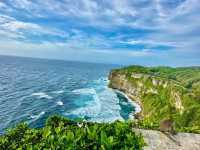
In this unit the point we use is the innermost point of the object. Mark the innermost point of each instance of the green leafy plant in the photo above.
(61, 133)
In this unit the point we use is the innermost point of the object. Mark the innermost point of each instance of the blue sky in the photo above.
(145, 32)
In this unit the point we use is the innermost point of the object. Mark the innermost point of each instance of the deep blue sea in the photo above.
(33, 89)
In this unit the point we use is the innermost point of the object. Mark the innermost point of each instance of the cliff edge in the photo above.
(156, 140)
(170, 102)
(164, 94)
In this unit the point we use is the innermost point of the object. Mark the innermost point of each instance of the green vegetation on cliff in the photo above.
(63, 134)
(164, 94)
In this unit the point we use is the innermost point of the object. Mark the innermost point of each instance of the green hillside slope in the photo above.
(164, 94)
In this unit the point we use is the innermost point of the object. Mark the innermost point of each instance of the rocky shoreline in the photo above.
(136, 104)
(125, 88)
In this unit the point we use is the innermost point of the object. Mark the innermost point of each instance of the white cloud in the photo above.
(151, 43)
(19, 29)
(143, 13)
(56, 50)
(2, 5)
(173, 23)
(23, 4)
(129, 53)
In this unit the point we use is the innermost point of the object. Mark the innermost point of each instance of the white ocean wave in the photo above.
(131, 116)
(35, 117)
(124, 103)
(58, 92)
(104, 105)
(134, 104)
(42, 95)
(60, 103)
(103, 108)
(102, 80)
(93, 107)
(84, 91)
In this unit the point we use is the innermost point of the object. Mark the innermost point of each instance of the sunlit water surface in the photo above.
(33, 89)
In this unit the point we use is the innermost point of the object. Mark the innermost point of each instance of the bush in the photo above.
(60, 133)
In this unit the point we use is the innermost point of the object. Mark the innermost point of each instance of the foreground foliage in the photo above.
(60, 133)
(164, 93)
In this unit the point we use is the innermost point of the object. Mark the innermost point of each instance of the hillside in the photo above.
(164, 93)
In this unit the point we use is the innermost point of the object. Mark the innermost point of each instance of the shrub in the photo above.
(61, 133)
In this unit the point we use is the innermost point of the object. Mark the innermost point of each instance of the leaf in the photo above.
(46, 132)
(58, 130)
(70, 136)
(103, 137)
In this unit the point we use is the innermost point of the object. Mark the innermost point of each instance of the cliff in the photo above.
(164, 93)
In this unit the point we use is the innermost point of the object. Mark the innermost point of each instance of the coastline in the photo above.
(134, 103)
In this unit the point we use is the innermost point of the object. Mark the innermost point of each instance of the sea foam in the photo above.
(84, 91)
(42, 95)
(58, 92)
(104, 106)
(60, 103)
(37, 116)
(92, 108)
(134, 104)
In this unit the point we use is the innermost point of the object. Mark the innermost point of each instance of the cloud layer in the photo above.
(123, 32)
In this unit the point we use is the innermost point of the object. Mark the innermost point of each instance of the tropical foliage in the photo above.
(63, 134)
(175, 95)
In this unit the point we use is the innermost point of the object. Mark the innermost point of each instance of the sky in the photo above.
(140, 32)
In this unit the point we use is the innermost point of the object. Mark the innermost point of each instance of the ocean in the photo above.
(31, 90)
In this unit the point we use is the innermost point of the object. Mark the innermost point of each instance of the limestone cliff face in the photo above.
(120, 82)
(139, 87)
(136, 84)
(163, 94)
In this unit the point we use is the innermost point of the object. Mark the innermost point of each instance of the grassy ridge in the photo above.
(178, 100)
(63, 134)
(189, 77)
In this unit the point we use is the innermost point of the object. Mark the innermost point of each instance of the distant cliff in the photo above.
(164, 93)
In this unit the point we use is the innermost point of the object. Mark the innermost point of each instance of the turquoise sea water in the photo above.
(33, 89)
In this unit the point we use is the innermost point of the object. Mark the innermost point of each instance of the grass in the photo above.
(184, 82)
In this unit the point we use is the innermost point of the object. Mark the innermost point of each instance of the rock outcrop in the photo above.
(157, 140)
